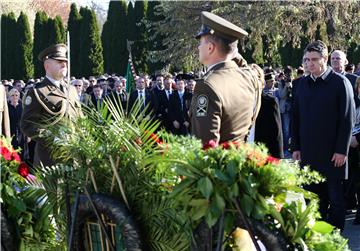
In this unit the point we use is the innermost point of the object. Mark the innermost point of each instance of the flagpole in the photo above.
(67, 192)
(68, 57)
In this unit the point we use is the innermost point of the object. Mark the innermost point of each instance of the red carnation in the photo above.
(226, 145)
(23, 169)
(15, 156)
(5, 153)
(272, 160)
(210, 144)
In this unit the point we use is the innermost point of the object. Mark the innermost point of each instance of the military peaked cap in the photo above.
(218, 26)
(55, 51)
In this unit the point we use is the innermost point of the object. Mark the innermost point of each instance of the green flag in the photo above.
(129, 77)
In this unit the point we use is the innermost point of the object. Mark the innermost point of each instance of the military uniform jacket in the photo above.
(46, 104)
(223, 103)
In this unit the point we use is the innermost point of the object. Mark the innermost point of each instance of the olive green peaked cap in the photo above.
(55, 51)
(218, 26)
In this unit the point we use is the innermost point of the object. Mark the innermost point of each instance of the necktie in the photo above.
(142, 98)
(181, 100)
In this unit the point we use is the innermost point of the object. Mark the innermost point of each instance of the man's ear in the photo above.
(211, 47)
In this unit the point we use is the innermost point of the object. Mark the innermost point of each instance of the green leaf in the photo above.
(245, 185)
(221, 176)
(29, 230)
(322, 227)
(205, 186)
(258, 212)
(200, 208)
(247, 204)
(231, 168)
(20, 205)
(179, 188)
(234, 190)
(9, 190)
(184, 172)
(220, 203)
(211, 219)
(198, 202)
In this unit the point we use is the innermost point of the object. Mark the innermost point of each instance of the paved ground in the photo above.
(352, 232)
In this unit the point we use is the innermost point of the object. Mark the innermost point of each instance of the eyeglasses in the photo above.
(305, 60)
(78, 85)
(15, 95)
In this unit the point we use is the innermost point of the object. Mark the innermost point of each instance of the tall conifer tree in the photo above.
(9, 46)
(73, 26)
(139, 51)
(4, 46)
(154, 42)
(56, 31)
(119, 32)
(91, 57)
(25, 67)
(60, 30)
(40, 42)
(106, 35)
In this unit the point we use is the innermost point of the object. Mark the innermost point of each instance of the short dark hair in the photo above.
(317, 46)
(224, 45)
(300, 70)
(349, 67)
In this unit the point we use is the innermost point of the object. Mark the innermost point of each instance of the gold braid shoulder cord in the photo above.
(60, 113)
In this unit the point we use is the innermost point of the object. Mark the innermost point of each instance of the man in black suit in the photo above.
(179, 105)
(157, 89)
(143, 97)
(119, 97)
(163, 104)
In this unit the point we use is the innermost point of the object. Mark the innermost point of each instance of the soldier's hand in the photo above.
(176, 124)
(339, 159)
(186, 124)
(296, 155)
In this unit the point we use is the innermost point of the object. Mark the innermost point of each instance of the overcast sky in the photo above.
(102, 3)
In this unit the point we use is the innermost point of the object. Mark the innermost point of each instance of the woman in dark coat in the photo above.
(268, 126)
(15, 110)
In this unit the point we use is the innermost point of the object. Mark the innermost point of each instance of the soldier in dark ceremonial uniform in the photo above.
(227, 99)
(48, 102)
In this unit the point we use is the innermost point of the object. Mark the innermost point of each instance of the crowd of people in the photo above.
(310, 114)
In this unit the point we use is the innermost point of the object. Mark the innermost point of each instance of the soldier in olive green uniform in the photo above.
(48, 102)
(227, 99)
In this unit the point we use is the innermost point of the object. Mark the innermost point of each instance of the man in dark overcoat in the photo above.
(323, 118)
